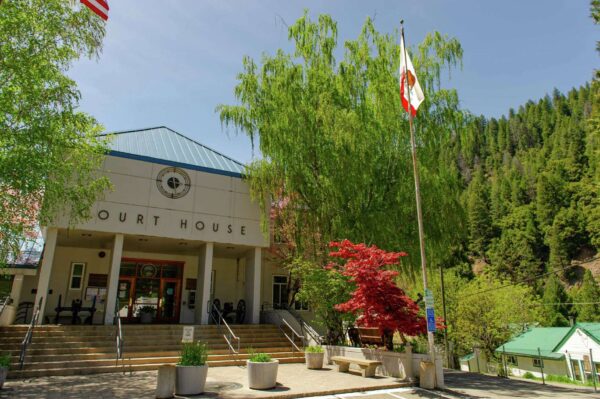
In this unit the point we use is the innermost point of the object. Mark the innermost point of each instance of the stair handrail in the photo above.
(294, 332)
(4, 303)
(229, 335)
(29, 333)
(307, 328)
(118, 335)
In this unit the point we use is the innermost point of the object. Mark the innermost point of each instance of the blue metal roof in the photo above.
(166, 146)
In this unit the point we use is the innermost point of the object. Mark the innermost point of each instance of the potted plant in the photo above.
(146, 313)
(191, 371)
(262, 371)
(4, 363)
(314, 357)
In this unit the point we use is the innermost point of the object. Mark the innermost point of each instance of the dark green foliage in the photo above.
(478, 214)
(587, 298)
(554, 312)
(531, 184)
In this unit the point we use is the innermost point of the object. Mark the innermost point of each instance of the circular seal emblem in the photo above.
(173, 182)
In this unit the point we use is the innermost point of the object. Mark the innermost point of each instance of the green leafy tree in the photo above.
(335, 140)
(322, 289)
(48, 150)
(515, 254)
(478, 214)
(587, 298)
(565, 236)
(490, 313)
(555, 312)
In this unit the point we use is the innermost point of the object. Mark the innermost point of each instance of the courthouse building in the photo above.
(177, 231)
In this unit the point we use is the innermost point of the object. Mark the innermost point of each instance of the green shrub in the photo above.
(529, 376)
(4, 361)
(260, 357)
(314, 349)
(193, 354)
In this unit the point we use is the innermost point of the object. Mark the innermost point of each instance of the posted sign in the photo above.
(430, 320)
(428, 298)
(188, 334)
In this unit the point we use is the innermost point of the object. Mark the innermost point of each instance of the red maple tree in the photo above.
(377, 300)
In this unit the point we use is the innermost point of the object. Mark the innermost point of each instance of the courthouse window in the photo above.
(77, 273)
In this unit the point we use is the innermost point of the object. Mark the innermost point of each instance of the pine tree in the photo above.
(587, 298)
(478, 214)
(555, 313)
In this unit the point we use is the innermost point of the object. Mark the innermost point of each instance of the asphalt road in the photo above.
(471, 385)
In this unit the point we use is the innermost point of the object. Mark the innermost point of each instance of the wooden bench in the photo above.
(370, 336)
(367, 367)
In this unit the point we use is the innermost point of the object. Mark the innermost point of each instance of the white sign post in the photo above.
(188, 334)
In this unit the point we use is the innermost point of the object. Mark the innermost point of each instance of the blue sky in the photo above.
(170, 63)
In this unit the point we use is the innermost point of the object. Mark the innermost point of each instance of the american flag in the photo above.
(100, 7)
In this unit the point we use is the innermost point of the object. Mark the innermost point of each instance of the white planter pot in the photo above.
(314, 360)
(190, 380)
(3, 373)
(145, 318)
(262, 375)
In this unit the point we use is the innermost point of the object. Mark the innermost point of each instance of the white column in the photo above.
(205, 265)
(45, 270)
(253, 282)
(10, 311)
(113, 279)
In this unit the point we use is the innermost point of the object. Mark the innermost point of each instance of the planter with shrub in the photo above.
(314, 357)
(4, 363)
(191, 371)
(262, 371)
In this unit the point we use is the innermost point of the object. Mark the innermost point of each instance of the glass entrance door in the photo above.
(170, 293)
(125, 296)
(150, 291)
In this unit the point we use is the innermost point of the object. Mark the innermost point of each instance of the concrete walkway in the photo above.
(294, 380)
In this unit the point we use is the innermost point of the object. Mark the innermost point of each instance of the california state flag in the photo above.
(407, 73)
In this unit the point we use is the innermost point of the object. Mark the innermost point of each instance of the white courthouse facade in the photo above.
(177, 231)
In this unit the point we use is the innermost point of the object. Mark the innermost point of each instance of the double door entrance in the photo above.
(149, 290)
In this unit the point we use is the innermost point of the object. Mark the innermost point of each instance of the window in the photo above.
(512, 360)
(300, 305)
(77, 273)
(280, 294)
(538, 363)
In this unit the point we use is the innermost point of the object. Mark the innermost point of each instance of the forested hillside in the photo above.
(533, 181)
(532, 205)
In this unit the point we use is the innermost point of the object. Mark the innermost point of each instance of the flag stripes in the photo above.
(99, 7)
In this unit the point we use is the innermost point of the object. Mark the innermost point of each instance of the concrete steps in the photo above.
(72, 350)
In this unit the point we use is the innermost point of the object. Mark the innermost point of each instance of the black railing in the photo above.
(29, 334)
(118, 335)
(217, 317)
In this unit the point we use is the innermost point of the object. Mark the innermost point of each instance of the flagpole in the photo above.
(413, 148)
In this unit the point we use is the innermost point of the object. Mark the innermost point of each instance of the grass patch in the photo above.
(563, 379)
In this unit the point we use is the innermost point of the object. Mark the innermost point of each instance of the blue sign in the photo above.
(430, 320)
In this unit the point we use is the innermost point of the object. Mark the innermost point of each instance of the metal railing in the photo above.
(217, 317)
(118, 335)
(29, 333)
(292, 339)
(307, 329)
(4, 303)
(283, 322)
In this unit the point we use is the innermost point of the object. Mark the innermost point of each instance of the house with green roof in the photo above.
(581, 348)
(567, 351)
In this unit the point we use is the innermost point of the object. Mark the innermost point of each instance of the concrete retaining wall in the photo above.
(394, 364)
